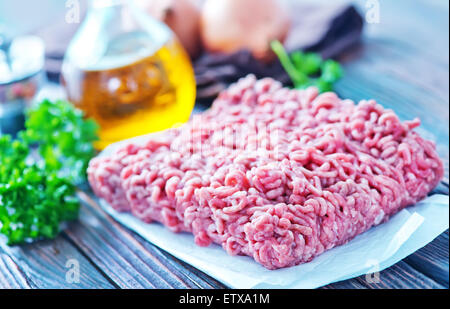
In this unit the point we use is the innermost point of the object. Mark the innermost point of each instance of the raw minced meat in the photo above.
(277, 174)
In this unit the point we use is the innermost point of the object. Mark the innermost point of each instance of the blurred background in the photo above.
(394, 51)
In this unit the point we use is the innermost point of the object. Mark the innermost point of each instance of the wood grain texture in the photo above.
(400, 276)
(43, 265)
(127, 259)
(11, 276)
(433, 260)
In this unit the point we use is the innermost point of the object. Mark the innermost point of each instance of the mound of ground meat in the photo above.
(277, 174)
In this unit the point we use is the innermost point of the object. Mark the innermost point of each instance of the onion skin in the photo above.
(182, 16)
(227, 26)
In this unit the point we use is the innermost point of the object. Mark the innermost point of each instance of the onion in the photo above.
(231, 25)
(182, 16)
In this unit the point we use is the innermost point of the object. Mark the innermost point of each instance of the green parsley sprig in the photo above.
(308, 69)
(37, 188)
(64, 138)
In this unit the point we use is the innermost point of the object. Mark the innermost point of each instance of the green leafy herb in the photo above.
(308, 69)
(37, 189)
(64, 138)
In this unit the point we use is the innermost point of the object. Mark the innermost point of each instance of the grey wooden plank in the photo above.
(423, 24)
(400, 276)
(197, 275)
(11, 277)
(441, 188)
(433, 260)
(127, 259)
(45, 264)
(426, 268)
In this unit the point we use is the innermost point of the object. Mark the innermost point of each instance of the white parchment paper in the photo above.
(372, 251)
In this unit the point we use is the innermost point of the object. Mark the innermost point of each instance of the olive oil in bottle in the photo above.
(128, 72)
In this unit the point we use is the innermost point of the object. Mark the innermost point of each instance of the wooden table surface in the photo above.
(403, 62)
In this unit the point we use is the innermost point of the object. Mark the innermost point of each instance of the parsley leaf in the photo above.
(37, 188)
(64, 138)
(308, 69)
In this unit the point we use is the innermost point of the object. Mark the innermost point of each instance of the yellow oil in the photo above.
(151, 94)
